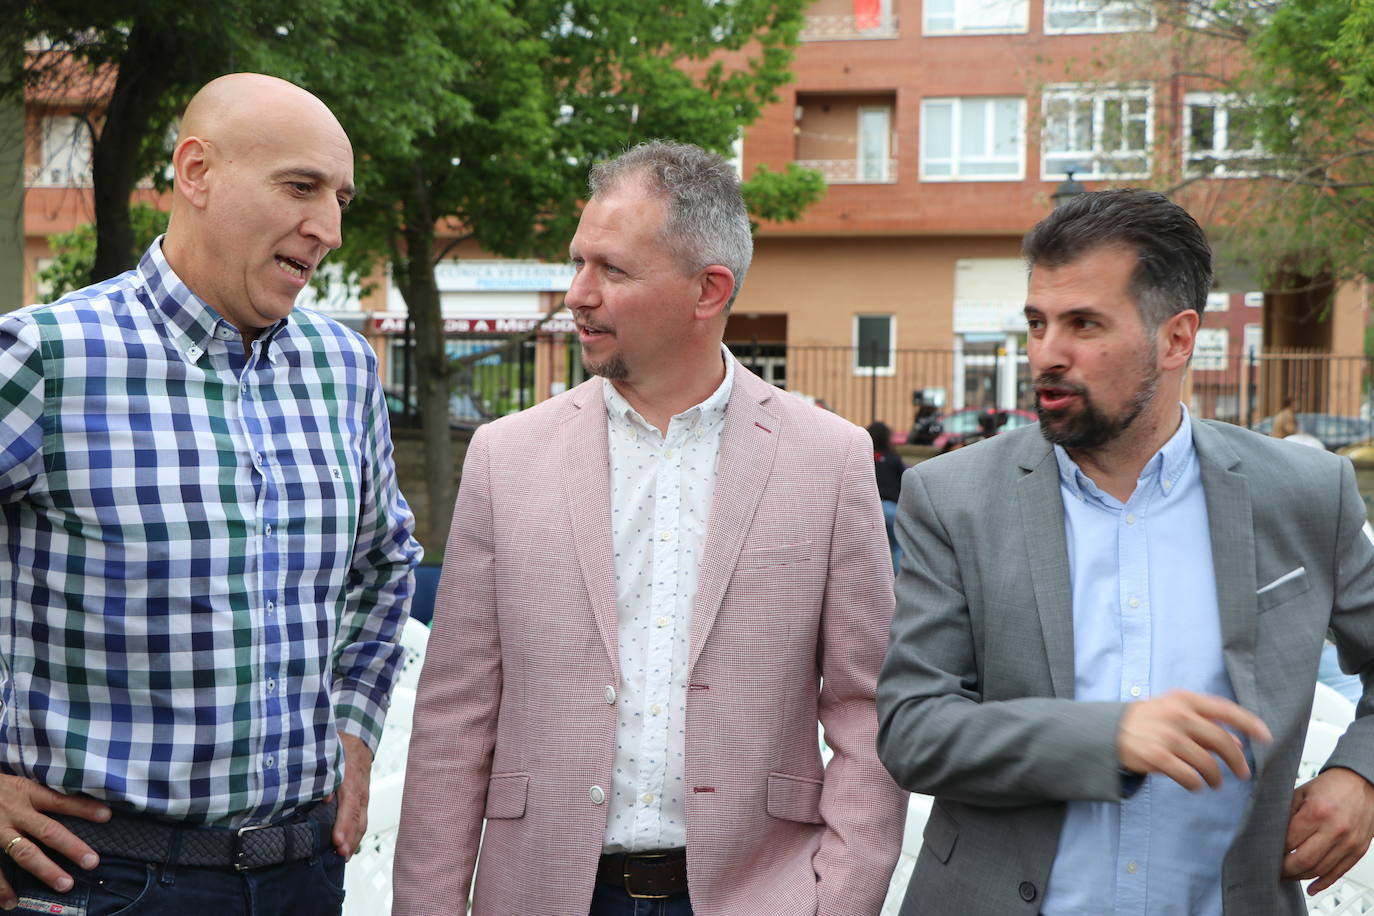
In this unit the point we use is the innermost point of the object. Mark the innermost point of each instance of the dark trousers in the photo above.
(611, 900)
(307, 887)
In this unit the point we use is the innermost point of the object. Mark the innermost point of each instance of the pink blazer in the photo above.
(513, 724)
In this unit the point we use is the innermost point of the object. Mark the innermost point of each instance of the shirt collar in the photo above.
(704, 415)
(1163, 470)
(191, 322)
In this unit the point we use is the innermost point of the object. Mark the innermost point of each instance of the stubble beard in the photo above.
(612, 367)
(1091, 427)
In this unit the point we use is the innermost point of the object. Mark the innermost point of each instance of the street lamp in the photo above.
(1068, 188)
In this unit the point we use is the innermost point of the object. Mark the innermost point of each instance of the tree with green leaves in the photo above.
(534, 92)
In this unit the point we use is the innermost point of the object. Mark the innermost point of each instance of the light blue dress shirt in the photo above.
(1145, 621)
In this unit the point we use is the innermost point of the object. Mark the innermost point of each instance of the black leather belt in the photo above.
(254, 846)
(645, 875)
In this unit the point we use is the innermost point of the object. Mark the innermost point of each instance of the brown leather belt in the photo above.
(645, 875)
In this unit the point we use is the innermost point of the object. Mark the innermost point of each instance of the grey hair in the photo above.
(707, 221)
(1173, 271)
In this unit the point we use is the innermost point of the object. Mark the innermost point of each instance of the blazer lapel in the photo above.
(748, 446)
(584, 444)
(1047, 549)
(1233, 563)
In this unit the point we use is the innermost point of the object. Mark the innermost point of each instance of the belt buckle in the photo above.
(626, 876)
(236, 849)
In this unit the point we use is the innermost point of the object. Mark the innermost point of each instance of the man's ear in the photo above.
(1176, 339)
(717, 285)
(191, 165)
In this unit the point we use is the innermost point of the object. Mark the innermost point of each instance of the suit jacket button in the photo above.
(1027, 891)
(598, 796)
(610, 694)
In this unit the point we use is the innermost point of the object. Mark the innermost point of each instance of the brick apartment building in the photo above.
(944, 128)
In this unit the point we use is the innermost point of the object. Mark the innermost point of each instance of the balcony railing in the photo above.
(848, 28)
(853, 171)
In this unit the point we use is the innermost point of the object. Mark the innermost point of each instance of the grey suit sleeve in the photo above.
(959, 719)
(1352, 622)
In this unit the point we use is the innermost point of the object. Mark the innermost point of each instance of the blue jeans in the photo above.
(124, 887)
(610, 900)
(890, 519)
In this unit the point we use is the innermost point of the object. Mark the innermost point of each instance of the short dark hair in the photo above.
(707, 221)
(1174, 267)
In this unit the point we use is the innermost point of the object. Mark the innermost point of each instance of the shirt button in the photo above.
(666, 536)
(267, 530)
(262, 459)
(655, 709)
(1130, 868)
(271, 685)
(610, 694)
(1135, 691)
(270, 760)
(648, 798)
(271, 608)
(596, 794)
(1134, 602)
(1130, 519)
(1168, 485)
(667, 453)
(662, 621)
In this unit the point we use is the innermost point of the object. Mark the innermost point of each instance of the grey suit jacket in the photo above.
(976, 702)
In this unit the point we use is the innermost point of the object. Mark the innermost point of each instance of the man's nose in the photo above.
(581, 292)
(325, 222)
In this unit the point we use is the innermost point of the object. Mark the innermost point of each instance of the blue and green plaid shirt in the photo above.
(207, 559)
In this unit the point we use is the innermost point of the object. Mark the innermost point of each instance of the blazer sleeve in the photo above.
(863, 810)
(455, 727)
(938, 733)
(1352, 622)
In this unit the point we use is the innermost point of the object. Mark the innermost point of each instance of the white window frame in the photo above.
(1018, 22)
(1222, 155)
(960, 108)
(1088, 159)
(65, 153)
(884, 175)
(1097, 10)
(891, 367)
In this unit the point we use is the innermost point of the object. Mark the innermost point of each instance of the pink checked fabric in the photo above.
(516, 719)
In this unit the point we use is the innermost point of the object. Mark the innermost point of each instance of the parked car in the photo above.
(1334, 431)
(958, 426)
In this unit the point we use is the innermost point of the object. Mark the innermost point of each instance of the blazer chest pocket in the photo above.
(781, 555)
(506, 794)
(794, 798)
(1289, 585)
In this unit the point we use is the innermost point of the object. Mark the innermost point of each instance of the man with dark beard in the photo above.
(1107, 632)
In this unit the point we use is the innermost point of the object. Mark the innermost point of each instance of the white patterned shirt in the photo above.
(661, 489)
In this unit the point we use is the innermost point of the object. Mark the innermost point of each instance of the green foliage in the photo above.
(74, 251)
(782, 196)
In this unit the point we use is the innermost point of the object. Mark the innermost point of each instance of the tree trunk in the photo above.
(145, 74)
(431, 373)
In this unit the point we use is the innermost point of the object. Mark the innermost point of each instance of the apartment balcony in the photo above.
(854, 171)
(823, 27)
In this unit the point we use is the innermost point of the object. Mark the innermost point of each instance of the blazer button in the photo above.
(610, 694)
(597, 796)
(1027, 891)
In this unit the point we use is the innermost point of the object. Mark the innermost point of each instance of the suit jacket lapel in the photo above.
(584, 444)
(1047, 549)
(748, 445)
(1233, 562)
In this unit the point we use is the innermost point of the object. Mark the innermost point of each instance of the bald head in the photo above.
(263, 171)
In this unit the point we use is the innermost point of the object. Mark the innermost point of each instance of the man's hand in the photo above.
(1329, 828)
(351, 822)
(22, 803)
(1178, 733)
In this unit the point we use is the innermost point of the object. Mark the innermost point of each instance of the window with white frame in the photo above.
(1221, 136)
(1097, 132)
(66, 153)
(874, 344)
(1098, 16)
(973, 139)
(874, 144)
(961, 17)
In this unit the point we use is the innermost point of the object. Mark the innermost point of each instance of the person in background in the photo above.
(1285, 421)
(889, 467)
(207, 558)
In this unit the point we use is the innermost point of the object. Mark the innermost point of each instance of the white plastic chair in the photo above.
(1330, 707)
(367, 879)
(1354, 893)
(414, 638)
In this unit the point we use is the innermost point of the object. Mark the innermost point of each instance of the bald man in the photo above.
(208, 560)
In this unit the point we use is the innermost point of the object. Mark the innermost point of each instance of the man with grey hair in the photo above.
(631, 654)
(1104, 650)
